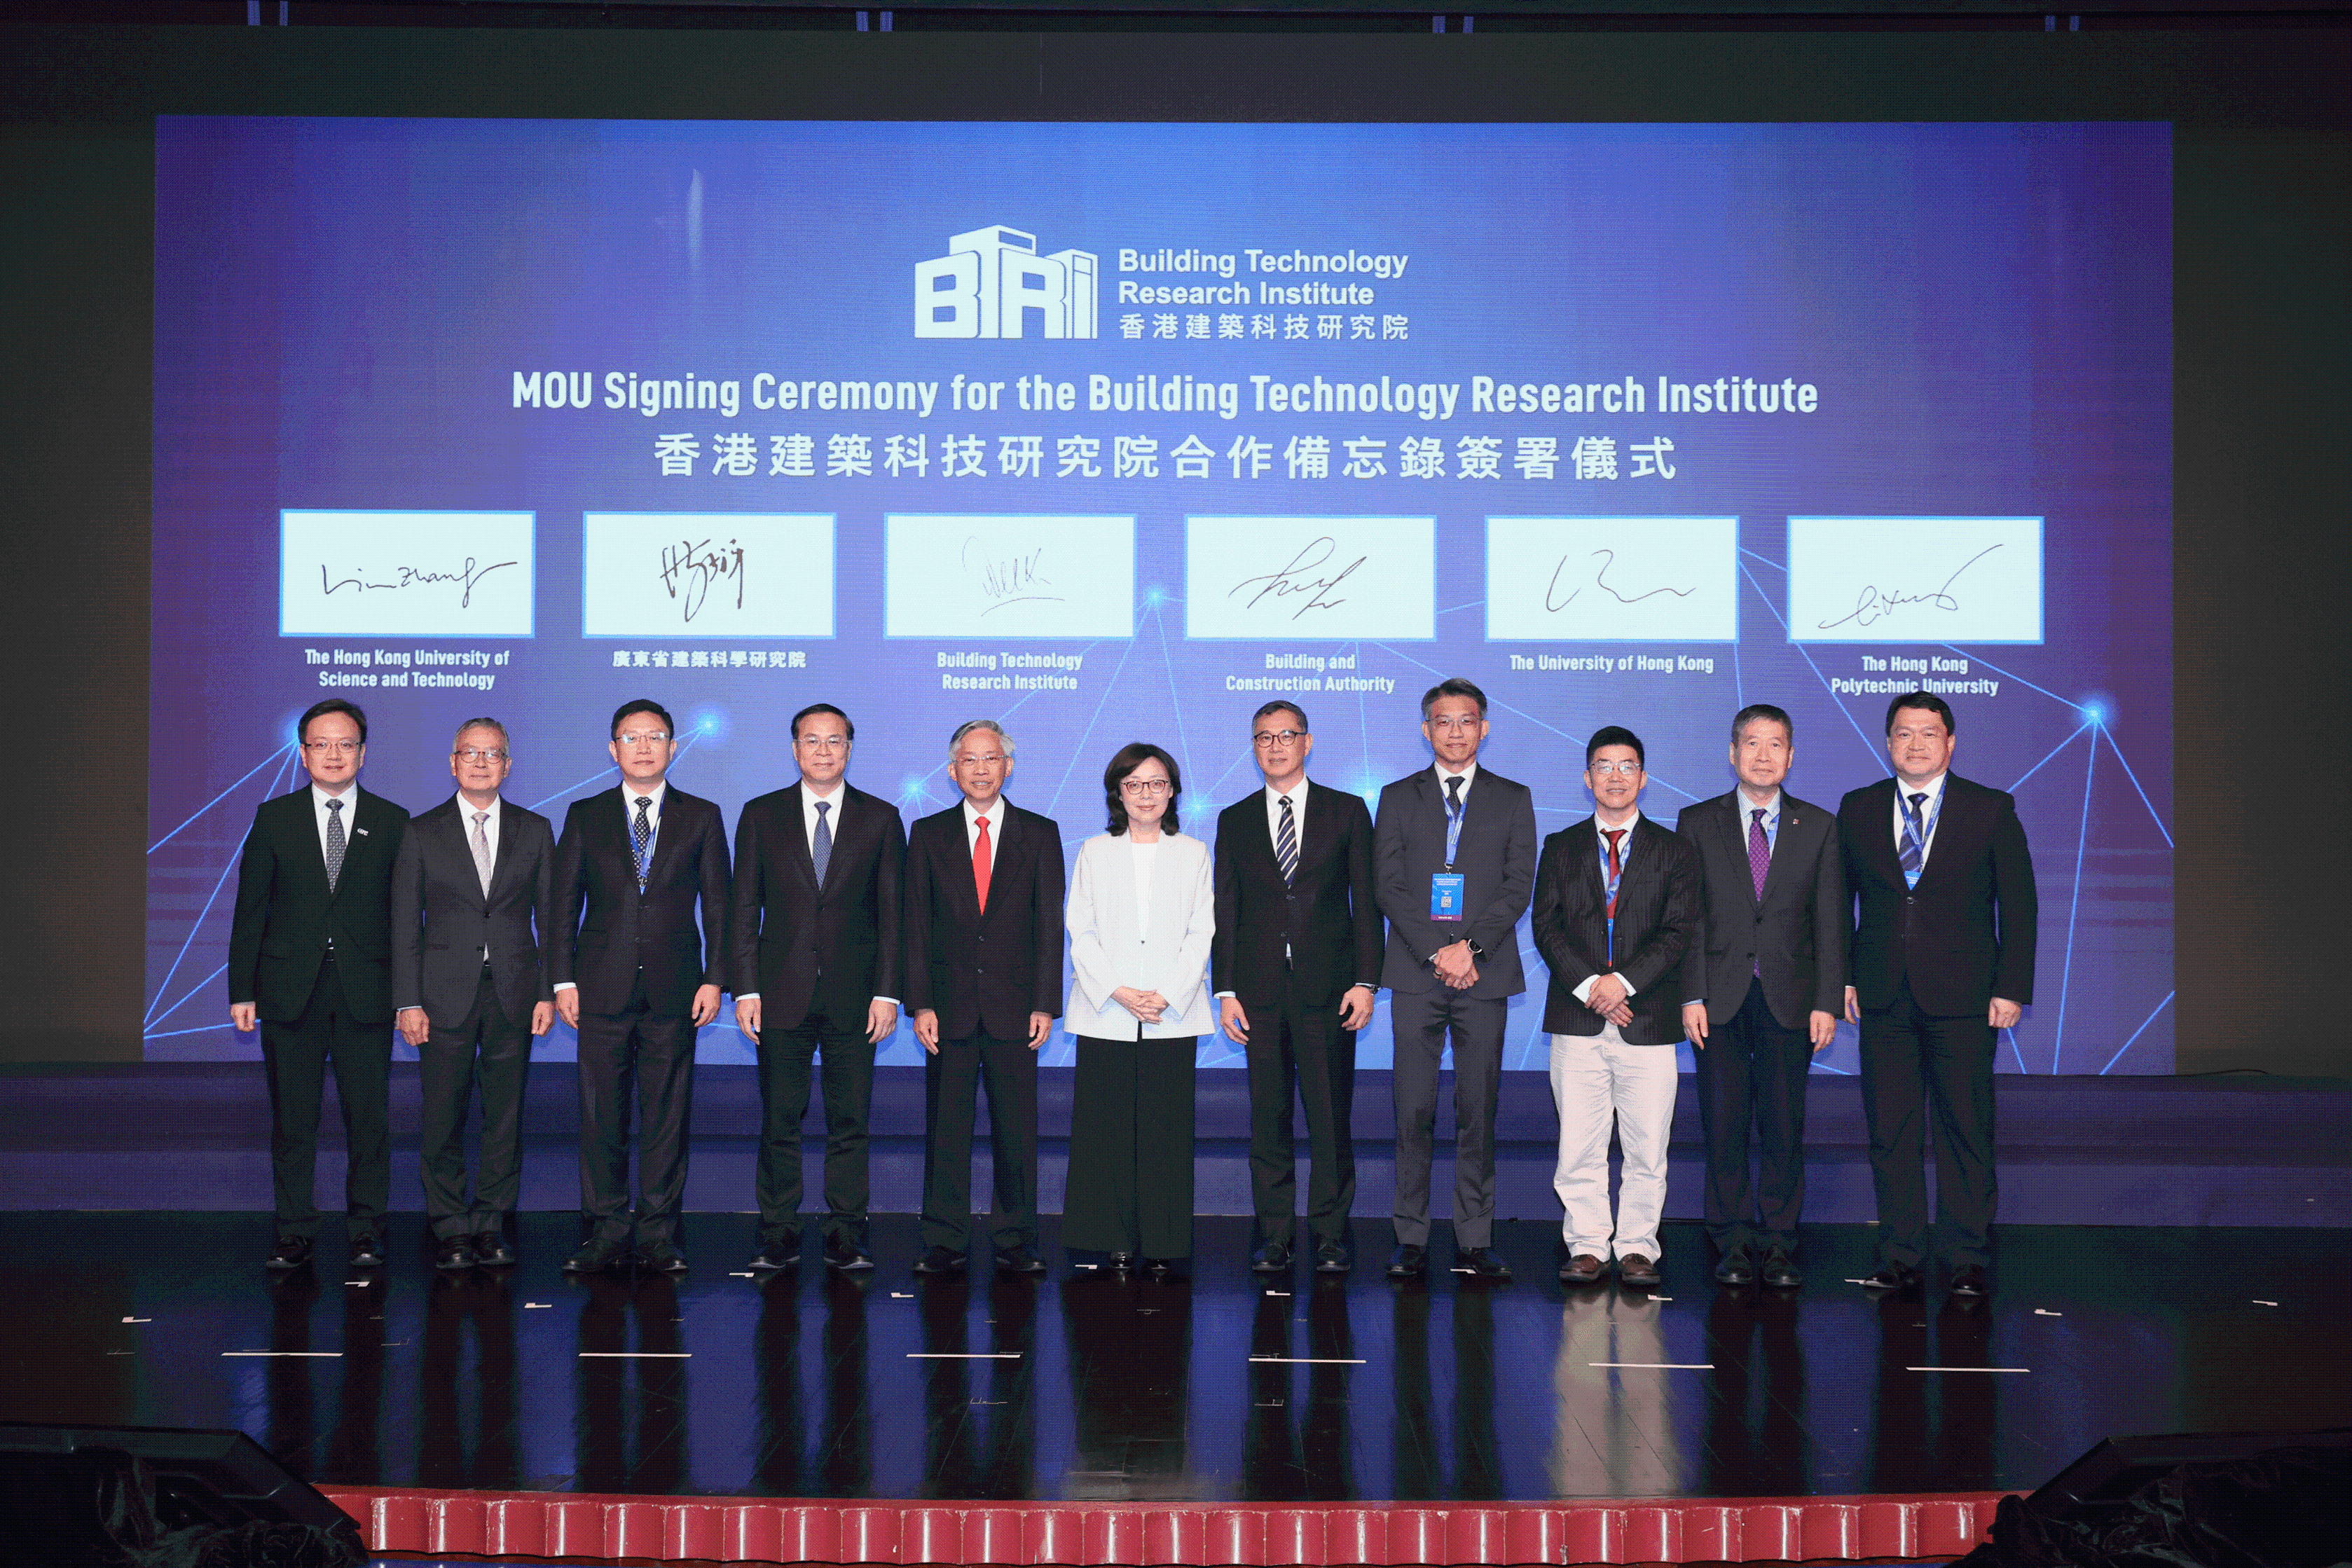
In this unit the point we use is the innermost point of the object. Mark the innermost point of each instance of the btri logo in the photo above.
(991, 283)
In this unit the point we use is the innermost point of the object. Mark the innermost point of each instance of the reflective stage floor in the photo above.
(1222, 1388)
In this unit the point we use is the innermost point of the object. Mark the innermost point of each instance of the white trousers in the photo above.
(1598, 1081)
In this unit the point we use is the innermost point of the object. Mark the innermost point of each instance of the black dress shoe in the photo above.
(367, 1252)
(1892, 1277)
(1735, 1267)
(941, 1260)
(1022, 1259)
(595, 1256)
(1780, 1270)
(779, 1255)
(1969, 1279)
(1333, 1258)
(1639, 1271)
(491, 1251)
(1274, 1257)
(663, 1257)
(847, 1255)
(1408, 1261)
(291, 1252)
(1583, 1268)
(1122, 1262)
(1158, 1267)
(455, 1252)
(1485, 1263)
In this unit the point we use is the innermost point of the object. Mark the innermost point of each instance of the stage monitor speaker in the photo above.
(201, 1480)
(2105, 1479)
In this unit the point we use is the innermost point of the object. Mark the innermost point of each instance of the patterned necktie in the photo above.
(821, 850)
(1285, 841)
(979, 865)
(641, 833)
(1616, 867)
(1915, 840)
(334, 842)
(482, 849)
(1759, 851)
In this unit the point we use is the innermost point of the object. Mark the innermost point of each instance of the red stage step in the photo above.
(1145, 1535)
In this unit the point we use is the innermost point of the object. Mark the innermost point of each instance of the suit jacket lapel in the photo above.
(797, 853)
(666, 833)
(1319, 829)
(1879, 832)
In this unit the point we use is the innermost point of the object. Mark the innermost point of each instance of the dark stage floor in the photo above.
(887, 1386)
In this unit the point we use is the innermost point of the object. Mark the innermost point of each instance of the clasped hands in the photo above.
(1455, 965)
(416, 1028)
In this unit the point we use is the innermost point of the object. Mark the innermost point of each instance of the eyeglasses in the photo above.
(331, 748)
(823, 743)
(1599, 769)
(983, 758)
(1144, 788)
(1456, 720)
(480, 754)
(641, 737)
(1279, 737)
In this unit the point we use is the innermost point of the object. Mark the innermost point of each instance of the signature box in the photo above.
(407, 574)
(1612, 579)
(1914, 579)
(706, 575)
(1371, 579)
(965, 574)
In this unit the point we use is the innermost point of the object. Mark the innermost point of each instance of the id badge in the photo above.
(1445, 895)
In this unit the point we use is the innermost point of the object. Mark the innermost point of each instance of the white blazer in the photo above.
(1169, 954)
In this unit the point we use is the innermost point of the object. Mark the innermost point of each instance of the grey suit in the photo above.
(473, 962)
(1763, 965)
(1496, 860)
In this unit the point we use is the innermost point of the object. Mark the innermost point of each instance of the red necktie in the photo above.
(980, 862)
(1616, 870)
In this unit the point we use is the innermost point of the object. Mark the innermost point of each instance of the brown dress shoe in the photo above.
(1637, 1270)
(1581, 1269)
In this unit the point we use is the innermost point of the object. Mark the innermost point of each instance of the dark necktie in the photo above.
(1759, 851)
(1914, 839)
(1285, 841)
(334, 842)
(641, 833)
(821, 847)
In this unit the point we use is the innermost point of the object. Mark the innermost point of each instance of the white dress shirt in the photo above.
(1929, 810)
(973, 817)
(809, 798)
(465, 810)
(351, 799)
(1468, 776)
(1297, 797)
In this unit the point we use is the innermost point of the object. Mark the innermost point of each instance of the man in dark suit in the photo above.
(1454, 861)
(1942, 959)
(473, 896)
(814, 956)
(1763, 992)
(983, 978)
(1296, 965)
(1617, 903)
(310, 959)
(636, 978)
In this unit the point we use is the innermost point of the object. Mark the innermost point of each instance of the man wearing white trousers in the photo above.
(1617, 902)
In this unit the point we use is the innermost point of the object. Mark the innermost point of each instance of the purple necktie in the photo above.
(1759, 851)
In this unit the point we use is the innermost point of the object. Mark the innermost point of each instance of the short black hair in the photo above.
(643, 705)
(319, 709)
(1131, 756)
(822, 708)
(1766, 712)
(1615, 735)
(1452, 686)
(1280, 706)
(1928, 700)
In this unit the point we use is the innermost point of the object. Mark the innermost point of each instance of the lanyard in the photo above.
(1927, 829)
(1455, 810)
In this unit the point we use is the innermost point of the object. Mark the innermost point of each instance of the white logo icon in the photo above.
(991, 283)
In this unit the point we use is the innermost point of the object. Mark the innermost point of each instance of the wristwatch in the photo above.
(1476, 950)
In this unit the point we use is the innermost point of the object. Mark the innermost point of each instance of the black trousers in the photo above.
(495, 1050)
(952, 1080)
(1130, 1179)
(294, 1057)
(846, 1079)
(1301, 1050)
(1752, 1073)
(1422, 1021)
(1908, 1057)
(635, 1054)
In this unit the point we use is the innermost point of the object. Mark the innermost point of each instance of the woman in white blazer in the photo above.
(1142, 909)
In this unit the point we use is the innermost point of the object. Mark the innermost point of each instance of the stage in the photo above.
(1132, 1399)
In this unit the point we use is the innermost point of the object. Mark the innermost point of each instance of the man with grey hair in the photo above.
(473, 896)
(982, 917)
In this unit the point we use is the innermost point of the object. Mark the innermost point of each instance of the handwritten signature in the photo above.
(413, 577)
(1017, 578)
(1292, 581)
(698, 566)
(1600, 580)
(1876, 604)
